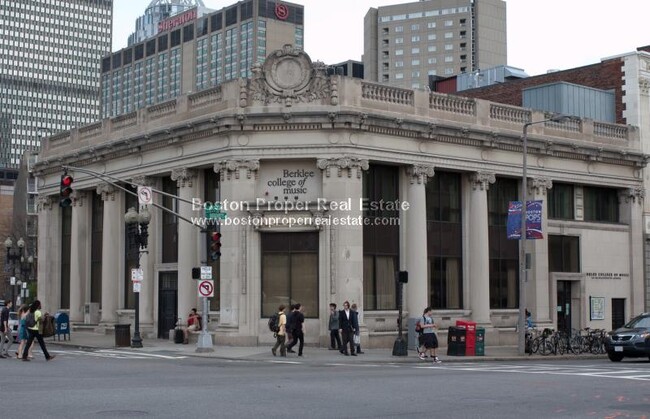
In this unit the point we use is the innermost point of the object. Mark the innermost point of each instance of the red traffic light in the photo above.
(65, 191)
(215, 245)
(215, 236)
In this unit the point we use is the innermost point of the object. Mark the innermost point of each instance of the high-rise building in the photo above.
(147, 25)
(193, 53)
(404, 44)
(49, 69)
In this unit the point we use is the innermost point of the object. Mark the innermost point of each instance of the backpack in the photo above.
(30, 320)
(274, 323)
(48, 326)
(418, 326)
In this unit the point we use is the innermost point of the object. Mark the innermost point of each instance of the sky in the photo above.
(542, 34)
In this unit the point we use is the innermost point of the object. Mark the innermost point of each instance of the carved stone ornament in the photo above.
(44, 202)
(419, 173)
(341, 163)
(482, 180)
(644, 85)
(78, 198)
(288, 76)
(107, 191)
(183, 176)
(226, 168)
(539, 185)
(143, 181)
(635, 194)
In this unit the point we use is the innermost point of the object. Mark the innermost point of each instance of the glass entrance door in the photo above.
(564, 306)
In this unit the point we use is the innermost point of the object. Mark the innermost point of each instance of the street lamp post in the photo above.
(522, 247)
(14, 258)
(137, 233)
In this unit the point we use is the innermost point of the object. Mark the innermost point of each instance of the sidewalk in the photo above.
(90, 340)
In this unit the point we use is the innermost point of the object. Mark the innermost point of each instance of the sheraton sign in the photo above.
(177, 20)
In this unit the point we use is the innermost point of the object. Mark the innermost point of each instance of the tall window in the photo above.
(169, 223)
(66, 241)
(216, 72)
(563, 254)
(444, 241)
(201, 64)
(246, 49)
(163, 82)
(175, 76)
(290, 271)
(560, 201)
(130, 257)
(213, 195)
(504, 253)
(380, 241)
(96, 249)
(601, 204)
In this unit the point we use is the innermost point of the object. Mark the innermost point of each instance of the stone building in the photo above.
(332, 184)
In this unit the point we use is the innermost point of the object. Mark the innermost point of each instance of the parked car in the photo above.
(13, 324)
(632, 340)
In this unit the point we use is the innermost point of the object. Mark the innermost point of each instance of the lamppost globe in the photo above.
(131, 216)
(21, 243)
(30, 259)
(9, 243)
(144, 216)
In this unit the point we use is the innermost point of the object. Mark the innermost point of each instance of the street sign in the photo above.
(145, 195)
(206, 272)
(214, 212)
(24, 285)
(206, 288)
(137, 275)
(12, 280)
(137, 286)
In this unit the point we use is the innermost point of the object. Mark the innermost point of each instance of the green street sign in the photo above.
(215, 213)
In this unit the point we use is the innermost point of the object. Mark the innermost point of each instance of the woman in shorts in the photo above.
(429, 337)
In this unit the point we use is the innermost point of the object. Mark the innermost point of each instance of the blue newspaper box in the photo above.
(62, 322)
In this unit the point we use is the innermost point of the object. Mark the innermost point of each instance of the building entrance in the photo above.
(167, 303)
(564, 306)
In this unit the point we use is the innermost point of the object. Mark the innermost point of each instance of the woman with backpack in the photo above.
(429, 338)
(33, 321)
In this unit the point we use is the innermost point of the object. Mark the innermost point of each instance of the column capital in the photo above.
(482, 180)
(183, 176)
(633, 194)
(78, 198)
(226, 168)
(143, 180)
(539, 185)
(419, 173)
(644, 85)
(340, 163)
(107, 191)
(45, 202)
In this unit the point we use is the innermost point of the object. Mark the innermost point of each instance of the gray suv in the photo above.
(632, 340)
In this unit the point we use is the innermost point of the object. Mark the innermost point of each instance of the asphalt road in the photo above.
(116, 383)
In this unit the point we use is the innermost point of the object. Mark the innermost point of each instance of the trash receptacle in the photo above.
(480, 341)
(456, 341)
(122, 335)
(470, 336)
(62, 326)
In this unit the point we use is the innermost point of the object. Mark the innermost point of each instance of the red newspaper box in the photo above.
(470, 336)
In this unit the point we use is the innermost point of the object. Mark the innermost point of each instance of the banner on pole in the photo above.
(533, 220)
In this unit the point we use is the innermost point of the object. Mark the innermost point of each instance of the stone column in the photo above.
(111, 257)
(49, 253)
(188, 254)
(417, 290)
(342, 182)
(147, 259)
(537, 287)
(80, 248)
(479, 256)
(237, 185)
(634, 198)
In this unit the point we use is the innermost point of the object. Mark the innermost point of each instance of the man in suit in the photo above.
(349, 325)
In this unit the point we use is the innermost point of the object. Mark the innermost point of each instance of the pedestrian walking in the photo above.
(6, 339)
(33, 322)
(289, 326)
(349, 325)
(357, 334)
(280, 335)
(335, 337)
(298, 329)
(429, 337)
(23, 336)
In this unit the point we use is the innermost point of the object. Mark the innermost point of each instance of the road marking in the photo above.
(117, 354)
(285, 362)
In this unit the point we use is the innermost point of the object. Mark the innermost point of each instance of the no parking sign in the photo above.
(206, 288)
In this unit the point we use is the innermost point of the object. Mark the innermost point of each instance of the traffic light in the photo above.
(215, 245)
(65, 198)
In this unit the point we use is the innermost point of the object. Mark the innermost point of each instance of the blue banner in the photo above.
(533, 220)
